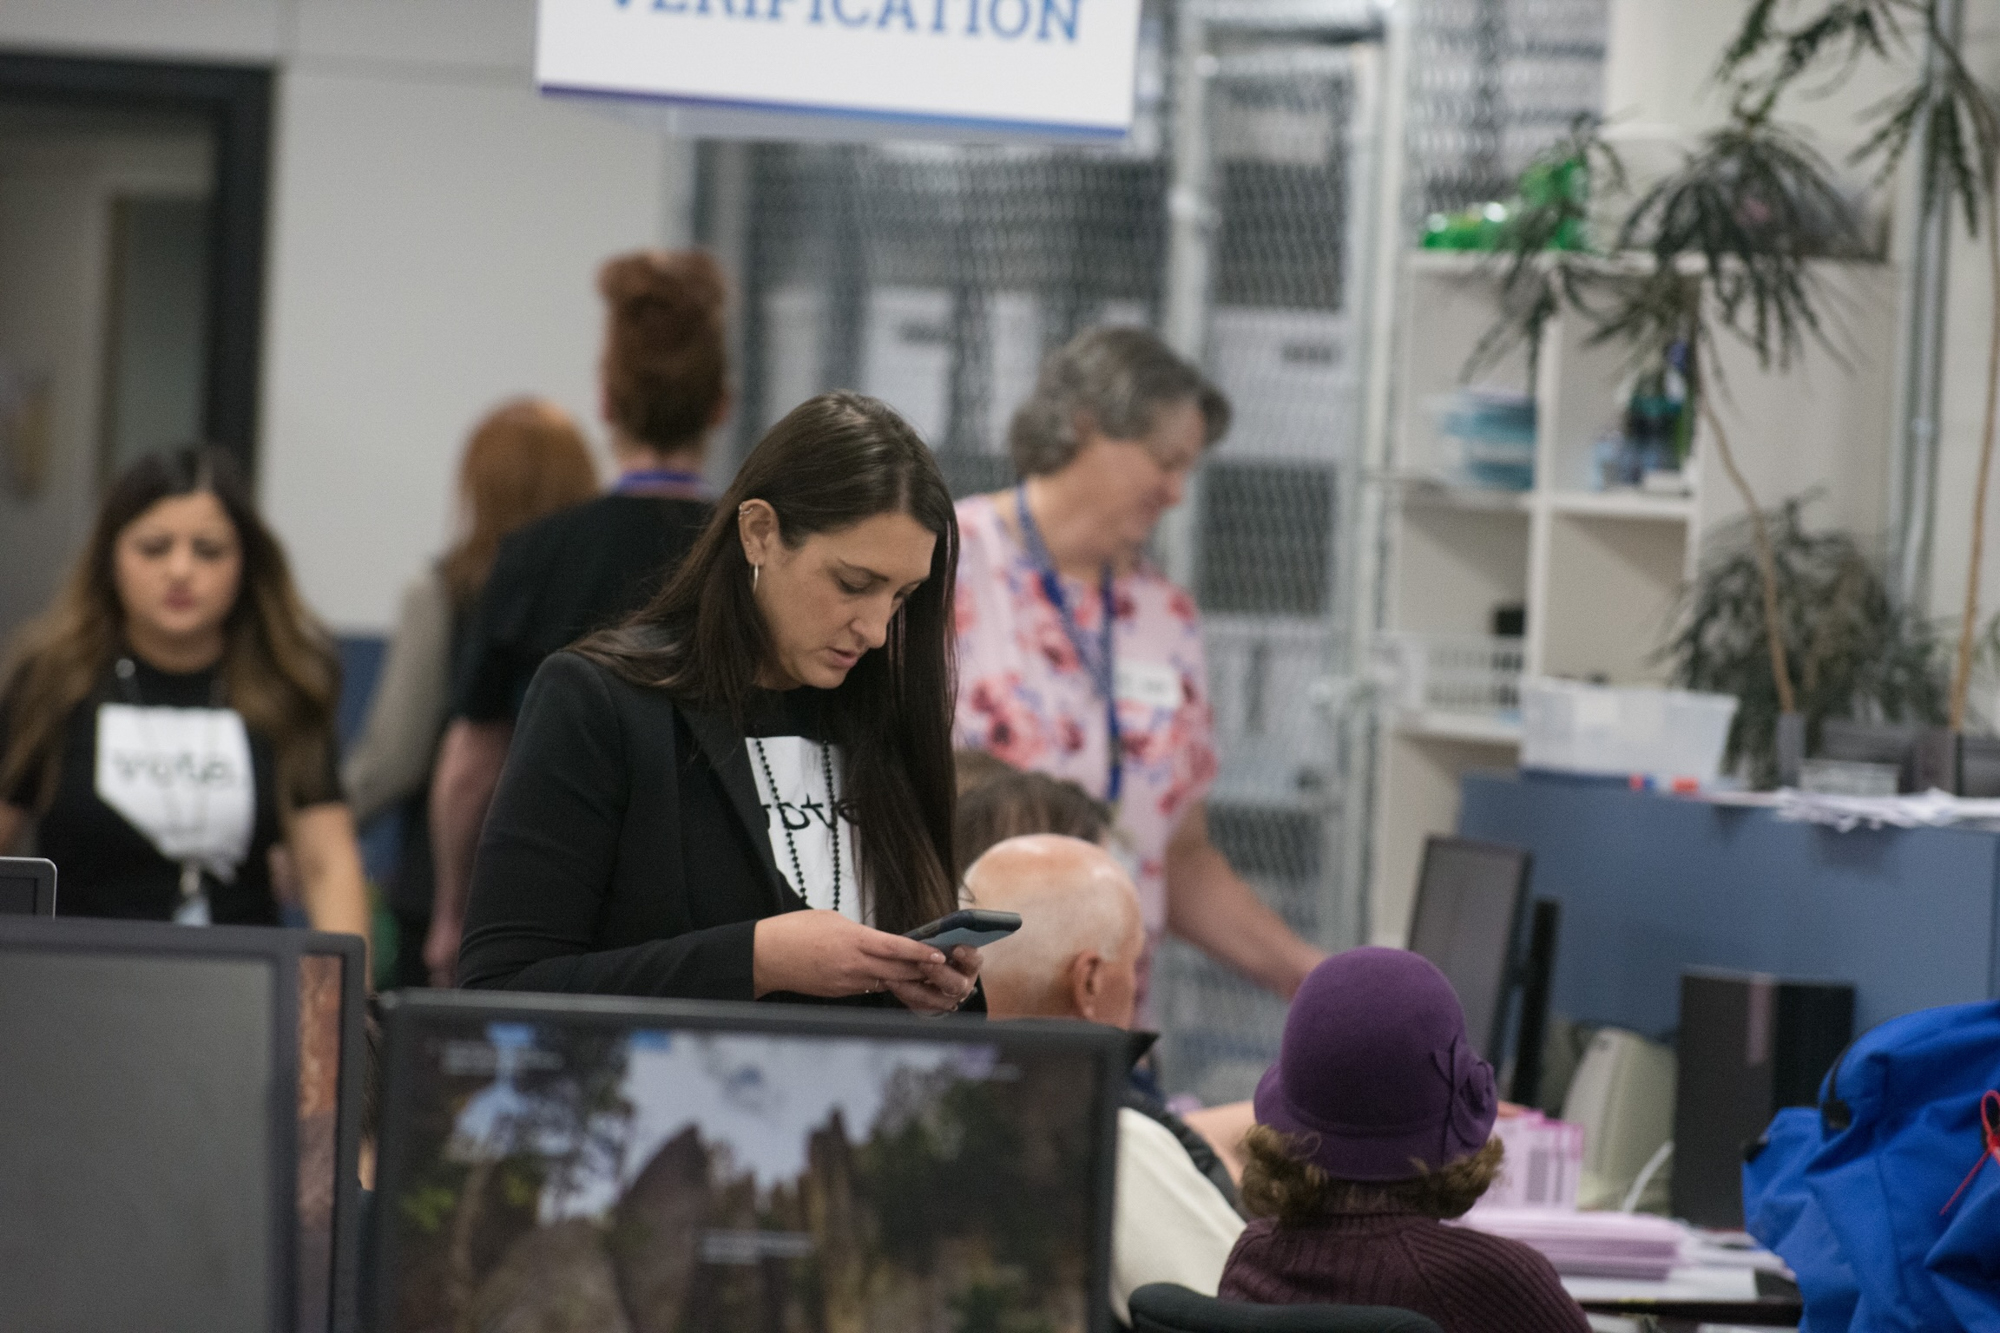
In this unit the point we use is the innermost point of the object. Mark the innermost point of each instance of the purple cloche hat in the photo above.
(1375, 1072)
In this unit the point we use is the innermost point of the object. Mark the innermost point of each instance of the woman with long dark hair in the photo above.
(170, 719)
(746, 789)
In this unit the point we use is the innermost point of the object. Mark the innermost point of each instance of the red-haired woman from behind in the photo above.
(525, 459)
(663, 381)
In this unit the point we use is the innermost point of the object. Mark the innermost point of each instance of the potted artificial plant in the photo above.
(1748, 206)
(1850, 650)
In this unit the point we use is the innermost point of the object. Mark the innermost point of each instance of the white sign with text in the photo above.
(1061, 68)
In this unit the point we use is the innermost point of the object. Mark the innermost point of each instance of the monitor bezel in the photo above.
(42, 872)
(345, 1279)
(405, 1013)
(282, 949)
(1495, 1041)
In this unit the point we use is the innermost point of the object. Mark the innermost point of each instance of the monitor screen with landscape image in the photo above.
(560, 1164)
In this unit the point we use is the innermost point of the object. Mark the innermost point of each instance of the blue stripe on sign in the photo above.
(1066, 129)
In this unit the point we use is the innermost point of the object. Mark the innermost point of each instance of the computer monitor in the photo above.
(1538, 972)
(1749, 1045)
(1470, 900)
(179, 1126)
(1866, 742)
(591, 1163)
(1978, 767)
(27, 886)
(1924, 757)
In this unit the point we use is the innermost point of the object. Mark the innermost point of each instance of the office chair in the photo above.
(1165, 1307)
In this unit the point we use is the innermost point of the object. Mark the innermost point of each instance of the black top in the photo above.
(625, 852)
(556, 580)
(108, 867)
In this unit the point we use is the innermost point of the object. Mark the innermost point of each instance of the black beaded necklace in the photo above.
(832, 813)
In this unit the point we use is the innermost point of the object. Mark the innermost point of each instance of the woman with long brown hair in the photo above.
(171, 718)
(525, 459)
(746, 790)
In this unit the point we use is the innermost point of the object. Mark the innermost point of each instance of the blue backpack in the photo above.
(1882, 1198)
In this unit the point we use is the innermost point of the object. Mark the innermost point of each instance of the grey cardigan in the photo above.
(406, 717)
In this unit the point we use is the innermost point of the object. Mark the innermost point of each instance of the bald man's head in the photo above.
(1077, 952)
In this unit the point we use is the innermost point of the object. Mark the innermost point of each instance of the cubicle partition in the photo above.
(1651, 885)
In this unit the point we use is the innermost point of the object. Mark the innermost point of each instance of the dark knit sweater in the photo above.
(1465, 1281)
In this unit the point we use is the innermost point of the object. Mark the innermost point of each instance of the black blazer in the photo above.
(580, 882)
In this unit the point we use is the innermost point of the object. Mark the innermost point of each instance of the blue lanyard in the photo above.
(659, 478)
(1098, 658)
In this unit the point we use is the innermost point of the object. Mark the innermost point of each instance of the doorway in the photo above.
(132, 204)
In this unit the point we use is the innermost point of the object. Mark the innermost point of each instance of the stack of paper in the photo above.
(1621, 1245)
(1543, 1165)
(1932, 809)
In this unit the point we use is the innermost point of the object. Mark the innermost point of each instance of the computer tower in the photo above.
(1750, 1045)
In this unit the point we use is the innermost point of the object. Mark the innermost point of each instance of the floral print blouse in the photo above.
(1026, 697)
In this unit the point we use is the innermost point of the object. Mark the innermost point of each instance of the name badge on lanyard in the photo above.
(182, 777)
(1149, 684)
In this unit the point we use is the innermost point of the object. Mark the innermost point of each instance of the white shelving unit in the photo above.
(1601, 573)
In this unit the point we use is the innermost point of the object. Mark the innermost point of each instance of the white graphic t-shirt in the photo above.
(182, 777)
(793, 787)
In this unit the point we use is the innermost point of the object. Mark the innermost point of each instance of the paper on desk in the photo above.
(1679, 1284)
(1932, 809)
(1543, 1164)
(1612, 1245)
(1729, 1249)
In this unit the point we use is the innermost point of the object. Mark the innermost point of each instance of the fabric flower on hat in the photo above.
(1473, 1101)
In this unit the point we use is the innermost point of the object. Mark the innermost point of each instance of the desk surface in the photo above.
(1651, 885)
(1704, 1295)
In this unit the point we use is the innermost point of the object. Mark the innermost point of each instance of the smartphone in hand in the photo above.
(973, 925)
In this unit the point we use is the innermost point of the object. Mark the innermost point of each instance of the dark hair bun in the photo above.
(678, 288)
(666, 354)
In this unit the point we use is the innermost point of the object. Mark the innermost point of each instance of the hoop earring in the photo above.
(755, 570)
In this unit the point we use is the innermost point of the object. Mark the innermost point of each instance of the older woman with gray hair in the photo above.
(1078, 658)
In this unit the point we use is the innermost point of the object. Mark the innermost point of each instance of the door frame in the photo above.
(236, 102)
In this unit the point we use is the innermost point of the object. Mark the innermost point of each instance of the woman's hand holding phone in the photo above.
(826, 954)
(944, 986)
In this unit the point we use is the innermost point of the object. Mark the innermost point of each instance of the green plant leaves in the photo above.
(1853, 652)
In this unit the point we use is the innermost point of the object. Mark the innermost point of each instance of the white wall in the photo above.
(1967, 337)
(434, 233)
(1661, 56)
(1660, 63)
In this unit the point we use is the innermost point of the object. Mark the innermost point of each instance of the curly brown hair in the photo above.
(1279, 1183)
(666, 356)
